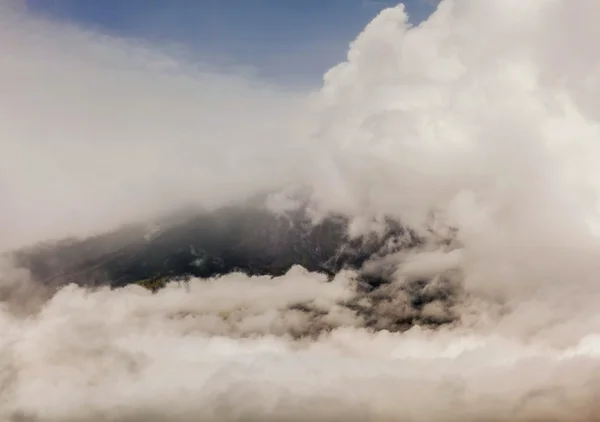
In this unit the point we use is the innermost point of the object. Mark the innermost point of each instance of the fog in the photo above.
(99, 131)
(477, 129)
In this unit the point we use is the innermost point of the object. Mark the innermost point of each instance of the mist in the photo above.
(477, 130)
(99, 131)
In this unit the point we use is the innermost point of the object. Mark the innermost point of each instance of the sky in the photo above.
(291, 42)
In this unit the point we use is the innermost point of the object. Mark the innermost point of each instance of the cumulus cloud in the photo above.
(221, 350)
(473, 120)
(478, 127)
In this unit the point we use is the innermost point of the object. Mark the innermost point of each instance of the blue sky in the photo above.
(290, 42)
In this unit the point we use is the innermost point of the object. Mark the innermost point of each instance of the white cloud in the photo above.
(485, 116)
(479, 116)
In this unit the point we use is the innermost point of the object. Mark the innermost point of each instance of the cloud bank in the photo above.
(480, 124)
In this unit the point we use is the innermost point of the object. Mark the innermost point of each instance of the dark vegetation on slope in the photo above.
(248, 239)
(252, 240)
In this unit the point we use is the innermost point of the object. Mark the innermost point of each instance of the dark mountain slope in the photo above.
(248, 239)
(252, 240)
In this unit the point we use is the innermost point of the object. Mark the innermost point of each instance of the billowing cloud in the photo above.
(480, 124)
